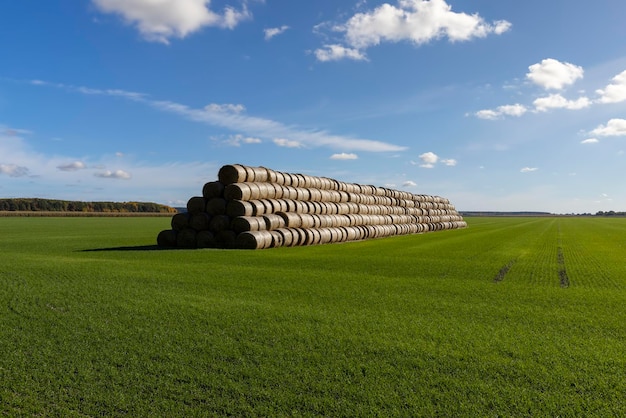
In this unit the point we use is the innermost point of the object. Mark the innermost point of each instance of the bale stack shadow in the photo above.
(257, 208)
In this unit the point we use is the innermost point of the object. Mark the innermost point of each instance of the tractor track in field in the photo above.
(504, 270)
(563, 278)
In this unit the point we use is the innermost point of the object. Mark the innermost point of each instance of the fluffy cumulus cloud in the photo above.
(429, 159)
(271, 32)
(614, 92)
(73, 166)
(505, 110)
(556, 101)
(117, 174)
(161, 20)
(528, 169)
(238, 140)
(614, 127)
(552, 74)
(590, 141)
(416, 21)
(344, 156)
(450, 162)
(409, 183)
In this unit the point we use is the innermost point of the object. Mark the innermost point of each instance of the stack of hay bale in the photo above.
(256, 207)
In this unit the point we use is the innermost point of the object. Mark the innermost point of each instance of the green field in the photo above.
(510, 317)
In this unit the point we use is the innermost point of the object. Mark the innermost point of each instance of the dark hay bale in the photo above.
(213, 189)
(254, 240)
(180, 221)
(196, 204)
(186, 238)
(226, 239)
(239, 208)
(167, 238)
(248, 223)
(206, 239)
(216, 206)
(219, 223)
(200, 221)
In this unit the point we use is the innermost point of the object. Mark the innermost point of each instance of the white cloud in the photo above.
(528, 169)
(505, 110)
(449, 162)
(409, 183)
(73, 166)
(233, 117)
(287, 143)
(553, 74)
(271, 32)
(237, 140)
(614, 127)
(344, 156)
(160, 20)
(118, 174)
(614, 92)
(417, 21)
(590, 141)
(429, 159)
(337, 52)
(556, 101)
(14, 170)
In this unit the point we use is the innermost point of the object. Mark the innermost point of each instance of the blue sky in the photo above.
(497, 105)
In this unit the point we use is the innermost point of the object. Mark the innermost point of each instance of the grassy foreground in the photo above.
(510, 317)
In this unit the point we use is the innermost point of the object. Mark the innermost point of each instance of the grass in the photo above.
(94, 320)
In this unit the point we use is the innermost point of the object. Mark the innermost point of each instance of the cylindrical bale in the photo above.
(200, 221)
(273, 221)
(271, 175)
(325, 235)
(167, 238)
(237, 191)
(186, 238)
(247, 223)
(216, 206)
(235, 173)
(196, 204)
(219, 223)
(289, 181)
(258, 207)
(226, 239)
(292, 219)
(180, 221)
(302, 194)
(288, 236)
(206, 239)
(213, 189)
(277, 239)
(254, 240)
(239, 208)
(260, 174)
(280, 178)
(307, 220)
(266, 191)
(250, 174)
(278, 190)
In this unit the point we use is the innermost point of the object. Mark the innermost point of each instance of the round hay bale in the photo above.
(196, 204)
(250, 174)
(235, 173)
(271, 175)
(216, 206)
(288, 236)
(273, 221)
(292, 219)
(258, 208)
(167, 238)
(237, 191)
(277, 239)
(226, 239)
(247, 223)
(180, 221)
(266, 190)
(200, 221)
(219, 223)
(268, 207)
(239, 208)
(254, 240)
(213, 189)
(260, 174)
(186, 238)
(206, 239)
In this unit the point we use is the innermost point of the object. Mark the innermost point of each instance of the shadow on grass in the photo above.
(135, 248)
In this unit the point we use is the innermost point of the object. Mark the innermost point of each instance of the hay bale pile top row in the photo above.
(256, 207)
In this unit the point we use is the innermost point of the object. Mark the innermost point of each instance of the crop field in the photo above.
(509, 317)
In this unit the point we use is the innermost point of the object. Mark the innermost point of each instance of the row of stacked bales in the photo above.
(256, 207)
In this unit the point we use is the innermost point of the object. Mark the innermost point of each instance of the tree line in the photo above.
(49, 205)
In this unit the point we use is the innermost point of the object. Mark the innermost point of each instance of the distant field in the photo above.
(509, 317)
